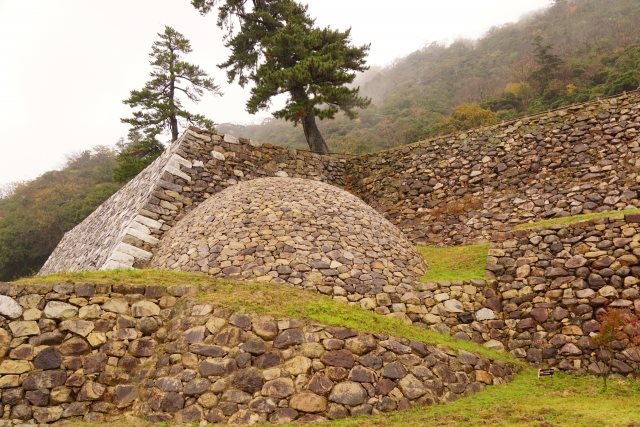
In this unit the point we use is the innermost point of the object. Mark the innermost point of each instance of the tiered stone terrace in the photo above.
(162, 353)
(473, 185)
(192, 210)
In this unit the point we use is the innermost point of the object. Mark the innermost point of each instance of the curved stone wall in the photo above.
(298, 231)
(97, 351)
(542, 298)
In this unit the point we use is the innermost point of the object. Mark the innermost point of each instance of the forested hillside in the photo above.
(35, 215)
(573, 51)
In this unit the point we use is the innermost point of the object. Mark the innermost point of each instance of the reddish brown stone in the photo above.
(249, 380)
(43, 379)
(320, 384)
(339, 358)
(125, 395)
(362, 375)
(172, 402)
(48, 358)
(539, 314)
(74, 346)
(144, 347)
(268, 360)
(384, 386)
(394, 370)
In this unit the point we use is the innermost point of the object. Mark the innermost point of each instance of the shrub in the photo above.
(616, 326)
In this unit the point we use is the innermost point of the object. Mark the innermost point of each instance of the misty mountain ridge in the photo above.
(414, 97)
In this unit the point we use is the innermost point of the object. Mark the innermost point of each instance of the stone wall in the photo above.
(109, 237)
(453, 189)
(553, 284)
(545, 291)
(469, 310)
(97, 351)
(469, 186)
(123, 231)
(288, 230)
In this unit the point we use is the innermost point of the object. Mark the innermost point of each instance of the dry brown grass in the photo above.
(456, 207)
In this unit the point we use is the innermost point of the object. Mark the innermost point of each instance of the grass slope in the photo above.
(568, 220)
(276, 300)
(561, 400)
(455, 262)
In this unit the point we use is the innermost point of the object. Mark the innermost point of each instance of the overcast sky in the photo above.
(66, 65)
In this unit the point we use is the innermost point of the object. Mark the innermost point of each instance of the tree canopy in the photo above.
(158, 104)
(278, 48)
(135, 154)
(413, 95)
(35, 215)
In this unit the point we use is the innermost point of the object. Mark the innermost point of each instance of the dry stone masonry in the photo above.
(236, 208)
(454, 189)
(124, 231)
(290, 230)
(555, 282)
(112, 236)
(97, 351)
(468, 310)
(543, 298)
(469, 186)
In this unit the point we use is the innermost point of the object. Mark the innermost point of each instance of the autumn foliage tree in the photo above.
(158, 105)
(467, 116)
(618, 328)
(276, 45)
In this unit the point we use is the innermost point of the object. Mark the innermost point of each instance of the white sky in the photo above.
(66, 65)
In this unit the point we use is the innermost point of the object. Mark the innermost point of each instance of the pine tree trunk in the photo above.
(173, 120)
(173, 123)
(313, 136)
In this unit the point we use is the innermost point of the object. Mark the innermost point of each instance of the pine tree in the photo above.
(548, 64)
(279, 49)
(158, 104)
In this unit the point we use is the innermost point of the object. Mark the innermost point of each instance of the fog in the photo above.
(68, 64)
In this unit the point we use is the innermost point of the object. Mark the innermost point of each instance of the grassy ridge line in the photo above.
(278, 301)
(574, 219)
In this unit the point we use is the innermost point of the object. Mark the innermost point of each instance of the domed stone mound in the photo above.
(299, 231)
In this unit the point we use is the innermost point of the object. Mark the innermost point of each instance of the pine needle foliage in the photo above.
(158, 105)
(276, 45)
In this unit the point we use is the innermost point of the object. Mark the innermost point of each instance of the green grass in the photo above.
(133, 277)
(276, 300)
(455, 262)
(568, 220)
(561, 400)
